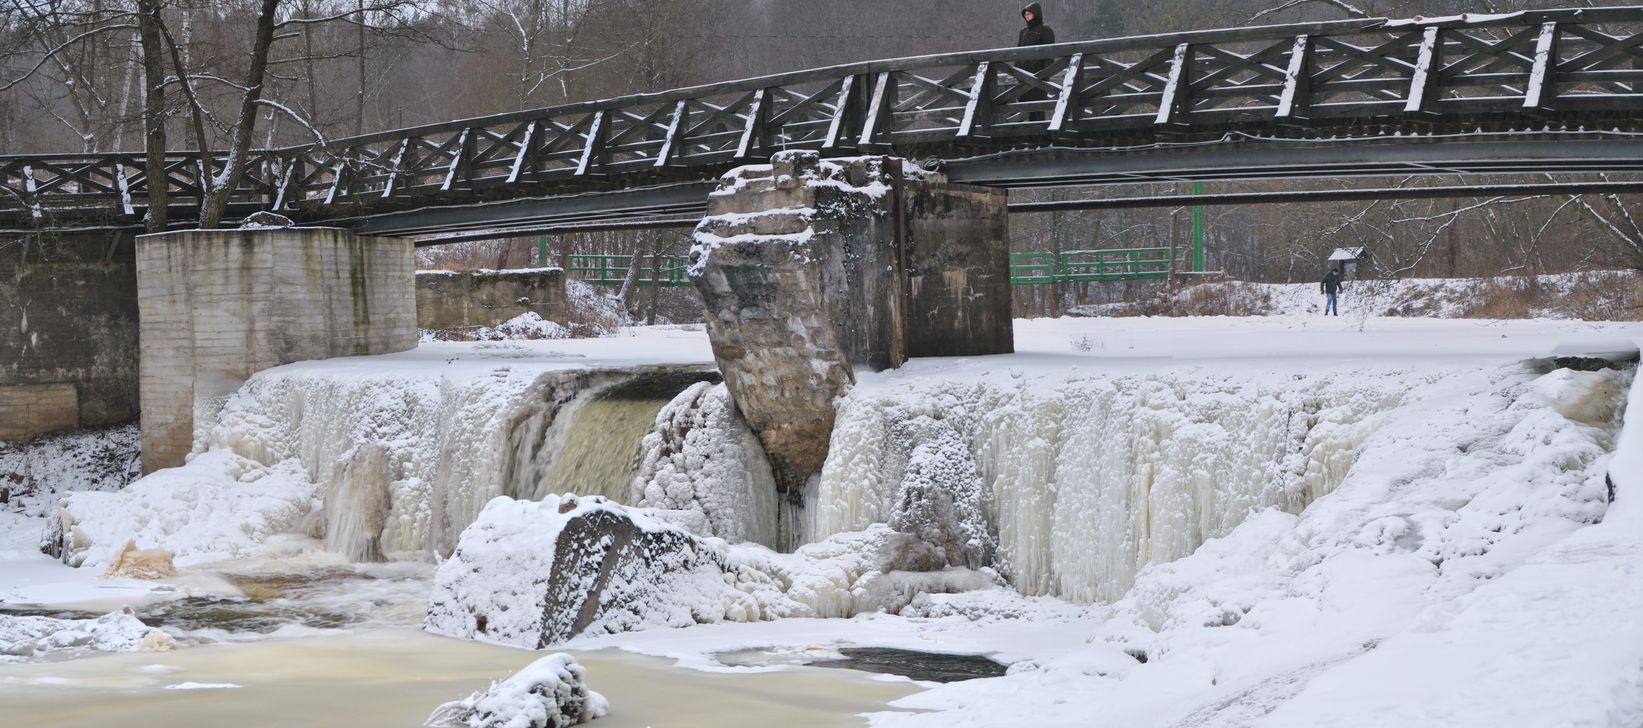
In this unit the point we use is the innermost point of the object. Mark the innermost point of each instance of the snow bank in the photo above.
(219, 505)
(549, 693)
(118, 631)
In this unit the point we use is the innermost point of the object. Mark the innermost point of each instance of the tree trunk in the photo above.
(153, 50)
(222, 187)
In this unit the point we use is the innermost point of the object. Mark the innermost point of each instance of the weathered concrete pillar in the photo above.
(68, 334)
(813, 269)
(221, 305)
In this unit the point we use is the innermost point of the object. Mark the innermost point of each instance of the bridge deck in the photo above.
(1542, 91)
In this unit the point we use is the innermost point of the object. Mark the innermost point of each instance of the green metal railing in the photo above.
(612, 270)
(1126, 264)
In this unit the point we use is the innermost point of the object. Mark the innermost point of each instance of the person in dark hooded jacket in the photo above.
(1036, 33)
(1331, 288)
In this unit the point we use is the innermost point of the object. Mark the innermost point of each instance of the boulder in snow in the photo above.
(549, 693)
(534, 574)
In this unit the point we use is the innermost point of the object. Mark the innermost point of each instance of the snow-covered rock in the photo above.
(117, 631)
(702, 457)
(549, 693)
(534, 574)
(528, 325)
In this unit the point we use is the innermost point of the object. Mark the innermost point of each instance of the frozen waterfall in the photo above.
(1085, 482)
(403, 463)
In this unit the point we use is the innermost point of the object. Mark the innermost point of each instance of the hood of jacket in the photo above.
(1038, 14)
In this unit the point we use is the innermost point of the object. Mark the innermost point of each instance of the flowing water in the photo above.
(396, 677)
(590, 445)
(306, 640)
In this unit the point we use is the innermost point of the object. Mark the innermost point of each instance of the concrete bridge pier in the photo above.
(813, 270)
(218, 306)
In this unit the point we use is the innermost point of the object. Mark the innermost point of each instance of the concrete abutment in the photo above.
(218, 306)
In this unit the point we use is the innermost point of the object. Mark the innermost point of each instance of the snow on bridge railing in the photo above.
(1550, 68)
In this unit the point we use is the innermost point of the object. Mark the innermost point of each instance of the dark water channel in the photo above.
(924, 666)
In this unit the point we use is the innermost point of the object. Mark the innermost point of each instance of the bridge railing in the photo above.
(1566, 68)
(612, 270)
(1118, 264)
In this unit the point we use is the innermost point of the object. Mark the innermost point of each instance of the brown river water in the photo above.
(341, 647)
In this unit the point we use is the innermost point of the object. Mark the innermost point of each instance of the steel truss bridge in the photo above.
(1554, 92)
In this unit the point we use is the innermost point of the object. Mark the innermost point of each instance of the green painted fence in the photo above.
(612, 270)
(1126, 264)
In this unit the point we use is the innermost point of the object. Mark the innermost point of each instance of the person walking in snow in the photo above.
(1036, 33)
(1331, 288)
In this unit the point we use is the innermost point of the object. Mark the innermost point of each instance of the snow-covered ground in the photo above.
(1590, 295)
(1426, 541)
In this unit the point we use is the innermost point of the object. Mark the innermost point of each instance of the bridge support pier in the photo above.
(218, 306)
(812, 270)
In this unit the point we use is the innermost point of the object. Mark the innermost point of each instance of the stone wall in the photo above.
(221, 305)
(813, 269)
(452, 300)
(68, 334)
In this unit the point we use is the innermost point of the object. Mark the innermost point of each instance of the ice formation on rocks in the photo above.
(701, 456)
(549, 693)
(1463, 573)
(117, 631)
(383, 462)
(1086, 482)
(221, 504)
(940, 499)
